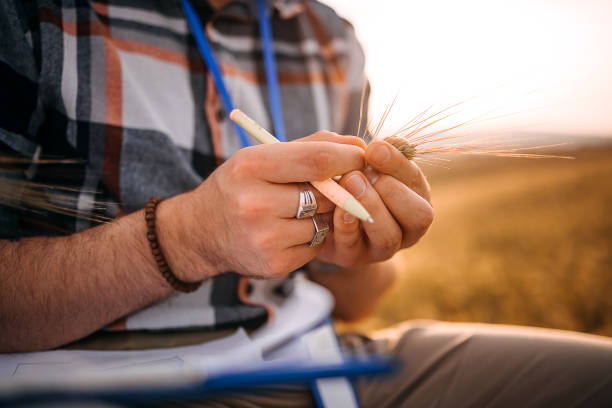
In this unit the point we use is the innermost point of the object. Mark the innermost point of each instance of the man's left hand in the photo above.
(395, 192)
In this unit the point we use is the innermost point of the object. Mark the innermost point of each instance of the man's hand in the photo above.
(396, 194)
(242, 217)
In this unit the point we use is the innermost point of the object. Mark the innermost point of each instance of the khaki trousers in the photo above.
(464, 365)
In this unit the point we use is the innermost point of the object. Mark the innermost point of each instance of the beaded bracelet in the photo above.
(162, 265)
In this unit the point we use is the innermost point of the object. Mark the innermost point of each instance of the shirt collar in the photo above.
(247, 9)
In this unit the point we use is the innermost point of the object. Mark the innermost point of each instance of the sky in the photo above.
(547, 64)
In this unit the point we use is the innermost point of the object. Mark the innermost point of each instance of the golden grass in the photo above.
(514, 241)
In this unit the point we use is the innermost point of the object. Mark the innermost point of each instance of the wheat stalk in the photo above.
(36, 197)
(415, 142)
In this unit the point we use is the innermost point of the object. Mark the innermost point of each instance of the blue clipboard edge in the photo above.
(241, 380)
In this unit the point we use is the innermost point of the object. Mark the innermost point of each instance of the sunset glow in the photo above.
(550, 60)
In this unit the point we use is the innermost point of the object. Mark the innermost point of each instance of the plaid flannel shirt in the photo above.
(119, 86)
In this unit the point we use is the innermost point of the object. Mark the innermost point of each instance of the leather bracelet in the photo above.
(162, 265)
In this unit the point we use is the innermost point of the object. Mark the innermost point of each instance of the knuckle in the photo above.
(247, 207)
(426, 217)
(321, 163)
(245, 162)
(241, 166)
(389, 243)
(390, 190)
(324, 134)
(242, 207)
(264, 241)
(421, 224)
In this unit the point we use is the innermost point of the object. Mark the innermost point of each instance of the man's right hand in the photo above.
(242, 217)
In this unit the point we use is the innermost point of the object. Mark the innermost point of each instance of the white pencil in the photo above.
(328, 188)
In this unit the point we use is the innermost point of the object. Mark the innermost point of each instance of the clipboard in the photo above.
(275, 374)
(300, 346)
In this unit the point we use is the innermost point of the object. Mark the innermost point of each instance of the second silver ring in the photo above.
(307, 206)
(321, 229)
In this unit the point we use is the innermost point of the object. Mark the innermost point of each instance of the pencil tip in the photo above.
(371, 220)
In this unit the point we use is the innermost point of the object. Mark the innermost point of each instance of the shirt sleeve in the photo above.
(19, 74)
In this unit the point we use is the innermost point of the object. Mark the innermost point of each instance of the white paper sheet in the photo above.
(308, 305)
(79, 368)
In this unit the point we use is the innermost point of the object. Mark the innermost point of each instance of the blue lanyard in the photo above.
(271, 76)
(270, 64)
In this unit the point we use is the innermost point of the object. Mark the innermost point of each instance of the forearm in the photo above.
(55, 290)
(357, 291)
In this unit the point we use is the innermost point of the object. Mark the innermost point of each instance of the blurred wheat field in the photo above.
(514, 241)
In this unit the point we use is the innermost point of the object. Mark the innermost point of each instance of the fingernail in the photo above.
(348, 218)
(380, 154)
(371, 174)
(356, 186)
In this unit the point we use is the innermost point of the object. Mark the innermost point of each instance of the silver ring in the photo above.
(307, 206)
(321, 230)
